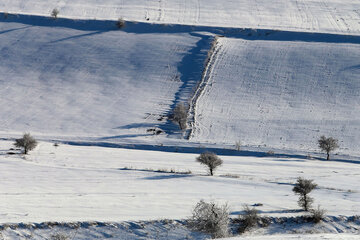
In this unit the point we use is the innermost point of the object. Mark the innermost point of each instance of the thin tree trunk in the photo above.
(305, 203)
(328, 156)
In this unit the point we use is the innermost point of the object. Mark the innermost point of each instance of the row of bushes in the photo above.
(213, 219)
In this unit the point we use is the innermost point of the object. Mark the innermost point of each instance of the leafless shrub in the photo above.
(210, 218)
(55, 13)
(211, 160)
(270, 153)
(59, 236)
(238, 145)
(248, 219)
(120, 23)
(317, 214)
(328, 145)
(302, 188)
(180, 115)
(27, 142)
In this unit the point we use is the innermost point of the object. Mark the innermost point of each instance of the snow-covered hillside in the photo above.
(281, 94)
(340, 16)
(69, 183)
(93, 81)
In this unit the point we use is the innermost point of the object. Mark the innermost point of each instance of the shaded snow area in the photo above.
(281, 95)
(69, 183)
(144, 230)
(91, 80)
(340, 16)
(280, 228)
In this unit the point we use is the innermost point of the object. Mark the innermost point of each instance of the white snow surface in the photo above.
(77, 183)
(301, 236)
(109, 84)
(336, 16)
(281, 94)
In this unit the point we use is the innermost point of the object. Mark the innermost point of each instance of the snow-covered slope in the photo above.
(299, 236)
(281, 94)
(341, 16)
(69, 183)
(94, 82)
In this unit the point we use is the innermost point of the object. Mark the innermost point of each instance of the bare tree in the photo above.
(327, 145)
(211, 160)
(210, 218)
(180, 115)
(302, 188)
(27, 142)
(55, 13)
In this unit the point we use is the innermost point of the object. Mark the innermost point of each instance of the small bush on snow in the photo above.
(120, 23)
(248, 219)
(317, 214)
(210, 218)
(59, 236)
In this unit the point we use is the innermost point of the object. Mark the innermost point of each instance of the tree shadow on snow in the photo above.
(270, 212)
(162, 177)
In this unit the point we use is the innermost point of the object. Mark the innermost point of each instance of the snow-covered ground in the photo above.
(102, 83)
(282, 94)
(89, 83)
(336, 16)
(73, 183)
(301, 236)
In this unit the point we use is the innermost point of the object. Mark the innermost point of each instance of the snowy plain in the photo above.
(77, 81)
(81, 183)
(281, 94)
(335, 16)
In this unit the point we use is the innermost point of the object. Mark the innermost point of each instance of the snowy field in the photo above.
(74, 183)
(302, 236)
(281, 94)
(71, 82)
(284, 73)
(335, 16)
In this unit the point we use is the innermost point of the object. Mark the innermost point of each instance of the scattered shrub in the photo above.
(328, 145)
(211, 219)
(302, 188)
(55, 13)
(211, 160)
(27, 143)
(120, 23)
(317, 214)
(270, 153)
(180, 115)
(59, 236)
(56, 144)
(238, 145)
(248, 219)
